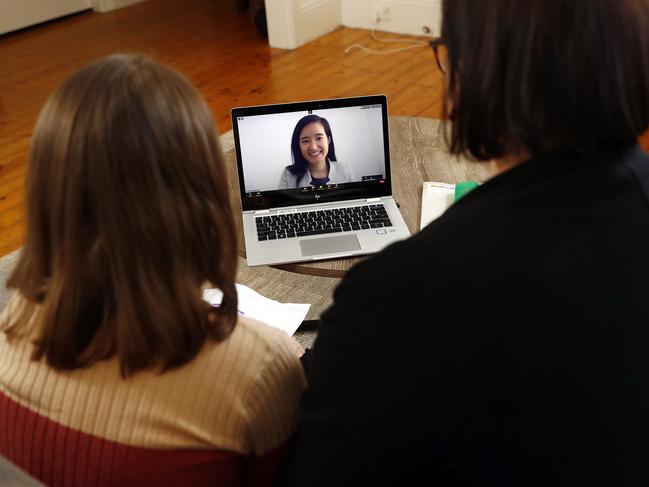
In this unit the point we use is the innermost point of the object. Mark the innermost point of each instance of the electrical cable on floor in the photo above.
(413, 44)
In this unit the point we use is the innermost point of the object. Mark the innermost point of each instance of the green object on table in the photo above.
(464, 187)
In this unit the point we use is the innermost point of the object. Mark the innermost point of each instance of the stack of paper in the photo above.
(435, 199)
(285, 316)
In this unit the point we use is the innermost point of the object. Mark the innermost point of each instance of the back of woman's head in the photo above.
(549, 77)
(300, 164)
(128, 216)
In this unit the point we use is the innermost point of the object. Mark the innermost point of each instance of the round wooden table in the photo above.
(418, 153)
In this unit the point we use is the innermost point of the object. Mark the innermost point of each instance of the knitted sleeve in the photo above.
(272, 407)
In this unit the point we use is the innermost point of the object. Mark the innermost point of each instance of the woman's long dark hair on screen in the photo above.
(300, 164)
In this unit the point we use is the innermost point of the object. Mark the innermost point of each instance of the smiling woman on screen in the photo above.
(314, 156)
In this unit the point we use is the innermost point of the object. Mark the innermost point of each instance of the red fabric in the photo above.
(61, 456)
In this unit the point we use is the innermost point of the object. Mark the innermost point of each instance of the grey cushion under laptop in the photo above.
(315, 180)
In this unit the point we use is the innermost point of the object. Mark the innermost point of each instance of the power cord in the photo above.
(413, 44)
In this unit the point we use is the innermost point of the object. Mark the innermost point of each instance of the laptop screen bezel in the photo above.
(294, 197)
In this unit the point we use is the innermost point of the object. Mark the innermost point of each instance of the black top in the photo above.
(505, 344)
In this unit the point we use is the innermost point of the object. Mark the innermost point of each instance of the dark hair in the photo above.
(300, 164)
(128, 217)
(550, 77)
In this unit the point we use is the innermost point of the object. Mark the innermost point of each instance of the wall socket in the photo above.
(379, 13)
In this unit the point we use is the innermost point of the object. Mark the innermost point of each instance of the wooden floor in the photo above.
(217, 48)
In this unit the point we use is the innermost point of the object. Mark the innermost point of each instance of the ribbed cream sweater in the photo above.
(240, 395)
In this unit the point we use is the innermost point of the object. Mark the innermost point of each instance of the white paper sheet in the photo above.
(435, 199)
(285, 316)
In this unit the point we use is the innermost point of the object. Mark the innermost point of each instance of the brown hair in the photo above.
(128, 217)
(551, 77)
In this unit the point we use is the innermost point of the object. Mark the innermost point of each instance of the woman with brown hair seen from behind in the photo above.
(113, 370)
(506, 343)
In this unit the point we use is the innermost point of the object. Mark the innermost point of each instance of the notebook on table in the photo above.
(311, 192)
(437, 197)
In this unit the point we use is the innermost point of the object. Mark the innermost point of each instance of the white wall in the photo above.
(17, 14)
(402, 16)
(292, 23)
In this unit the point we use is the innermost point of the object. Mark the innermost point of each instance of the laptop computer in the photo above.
(314, 179)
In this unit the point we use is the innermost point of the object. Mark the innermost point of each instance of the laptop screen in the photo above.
(312, 152)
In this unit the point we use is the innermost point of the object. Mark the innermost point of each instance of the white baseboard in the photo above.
(405, 16)
(108, 5)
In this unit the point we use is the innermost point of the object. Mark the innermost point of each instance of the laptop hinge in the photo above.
(261, 212)
(371, 200)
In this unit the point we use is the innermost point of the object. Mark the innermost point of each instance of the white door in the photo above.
(16, 14)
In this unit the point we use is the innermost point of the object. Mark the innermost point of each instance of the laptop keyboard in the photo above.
(289, 225)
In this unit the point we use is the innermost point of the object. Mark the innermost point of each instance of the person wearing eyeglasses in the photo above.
(506, 343)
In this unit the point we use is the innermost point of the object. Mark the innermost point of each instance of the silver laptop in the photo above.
(315, 180)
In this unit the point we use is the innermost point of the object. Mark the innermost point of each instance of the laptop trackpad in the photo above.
(329, 245)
